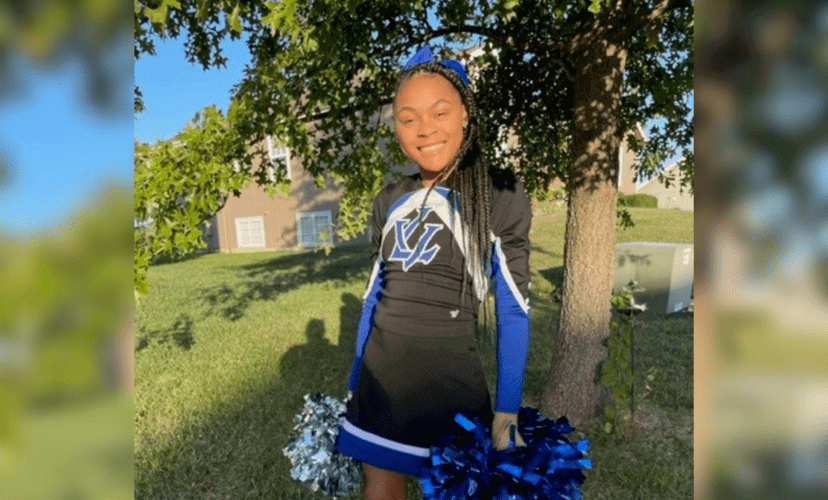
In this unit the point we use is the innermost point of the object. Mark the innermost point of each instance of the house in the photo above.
(255, 221)
(629, 182)
(673, 196)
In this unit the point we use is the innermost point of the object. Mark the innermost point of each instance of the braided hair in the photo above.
(466, 175)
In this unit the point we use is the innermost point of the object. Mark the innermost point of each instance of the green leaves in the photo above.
(281, 18)
(182, 183)
(506, 9)
(623, 219)
(158, 15)
(596, 6)
(234, 19)
(616, 373)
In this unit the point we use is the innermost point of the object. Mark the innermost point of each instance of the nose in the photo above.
(425, 127)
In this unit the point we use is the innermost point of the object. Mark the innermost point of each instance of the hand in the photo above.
(500, 430)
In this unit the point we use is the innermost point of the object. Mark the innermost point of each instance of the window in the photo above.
(250, 232)
(277, 156)
(311, 225)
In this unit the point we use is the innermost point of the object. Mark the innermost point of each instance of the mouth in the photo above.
(432, 147)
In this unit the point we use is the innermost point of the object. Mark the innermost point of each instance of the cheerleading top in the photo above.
(417, 271)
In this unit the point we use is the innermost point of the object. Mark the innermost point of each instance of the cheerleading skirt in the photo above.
(409, 390)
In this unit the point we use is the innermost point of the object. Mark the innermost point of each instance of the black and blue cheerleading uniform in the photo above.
(416, 362)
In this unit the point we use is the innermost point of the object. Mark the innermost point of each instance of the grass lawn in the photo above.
(228, 344)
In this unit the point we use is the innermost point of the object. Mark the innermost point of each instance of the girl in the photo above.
(440, 239)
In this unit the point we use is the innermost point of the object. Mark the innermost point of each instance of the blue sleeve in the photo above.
(373, 292)
(511, 220)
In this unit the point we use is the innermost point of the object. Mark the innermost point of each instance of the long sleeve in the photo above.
(373, 292)
(511, 221)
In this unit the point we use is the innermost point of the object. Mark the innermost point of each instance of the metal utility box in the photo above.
(665, 270)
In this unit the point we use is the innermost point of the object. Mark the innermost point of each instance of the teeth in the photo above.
(431, 148)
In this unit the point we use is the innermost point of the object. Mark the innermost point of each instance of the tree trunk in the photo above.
(589, 248)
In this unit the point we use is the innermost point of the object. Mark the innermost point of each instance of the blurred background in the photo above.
(66, 121)
(761, 345)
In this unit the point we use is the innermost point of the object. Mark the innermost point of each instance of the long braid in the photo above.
(467, 176)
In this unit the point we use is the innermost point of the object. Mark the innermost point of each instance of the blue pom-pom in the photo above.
(549, 467)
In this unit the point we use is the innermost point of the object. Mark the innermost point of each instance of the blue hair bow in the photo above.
(424, 55)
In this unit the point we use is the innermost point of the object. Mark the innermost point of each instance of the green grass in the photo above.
(228, 344)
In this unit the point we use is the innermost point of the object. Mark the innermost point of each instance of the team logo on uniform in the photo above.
(403, 230)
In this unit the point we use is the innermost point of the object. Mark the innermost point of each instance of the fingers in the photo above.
(501, 435)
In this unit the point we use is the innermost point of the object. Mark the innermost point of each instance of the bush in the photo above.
(622, 200)
(640, 200)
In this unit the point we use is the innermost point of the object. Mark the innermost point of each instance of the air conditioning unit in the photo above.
(664, 270)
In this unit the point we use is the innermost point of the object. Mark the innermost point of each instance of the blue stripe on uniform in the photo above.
(512, 337)
(366, 322)
(381, 452)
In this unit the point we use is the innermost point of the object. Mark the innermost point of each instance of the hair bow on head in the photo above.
(424, 55)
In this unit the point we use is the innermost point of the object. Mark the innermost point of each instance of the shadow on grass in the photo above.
(169, 259)
(542, 250)
(235, 451)
(265, 280)
(553, 275)
(180, 334)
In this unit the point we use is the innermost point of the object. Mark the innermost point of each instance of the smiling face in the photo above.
(429, 115)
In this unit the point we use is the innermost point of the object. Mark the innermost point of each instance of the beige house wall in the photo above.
(672, 197)
(627, 171)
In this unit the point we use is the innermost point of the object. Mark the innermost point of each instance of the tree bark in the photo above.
(589, 248)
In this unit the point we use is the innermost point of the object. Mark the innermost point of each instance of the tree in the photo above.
(567, 77)
(181, 183)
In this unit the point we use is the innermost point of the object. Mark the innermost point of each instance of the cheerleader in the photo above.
(441, 238)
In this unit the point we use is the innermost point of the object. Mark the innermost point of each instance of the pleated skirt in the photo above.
(409, 390)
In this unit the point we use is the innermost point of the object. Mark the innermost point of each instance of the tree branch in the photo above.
(425, 37)
(642, 18)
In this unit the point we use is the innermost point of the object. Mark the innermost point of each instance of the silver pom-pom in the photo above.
(316, 461)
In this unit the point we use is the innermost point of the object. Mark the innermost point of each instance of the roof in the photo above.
(665, 170)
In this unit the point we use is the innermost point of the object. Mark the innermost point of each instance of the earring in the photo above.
(465, 123)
